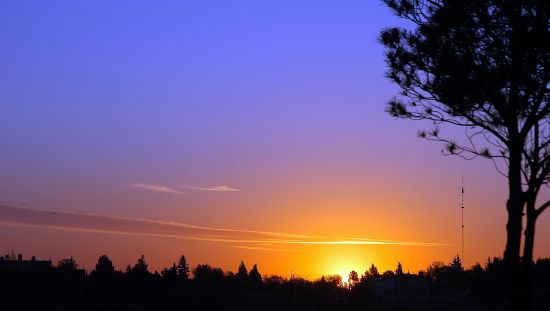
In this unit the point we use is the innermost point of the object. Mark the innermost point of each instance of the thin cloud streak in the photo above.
(355, 242)
(222, 188)
(97, 223)
(158, 222)
(157, 188)
(256, 248)
(130, 233)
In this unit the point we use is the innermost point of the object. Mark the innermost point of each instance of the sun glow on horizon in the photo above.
(343, 262)
(344, 274)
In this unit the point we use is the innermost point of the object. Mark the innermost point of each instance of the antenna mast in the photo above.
(462, 215)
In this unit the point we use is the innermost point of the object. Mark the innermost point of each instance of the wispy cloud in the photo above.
(366, 242)
(157, 188)
(106, 224)
(14, 203)
(257, 248)
(222, 188)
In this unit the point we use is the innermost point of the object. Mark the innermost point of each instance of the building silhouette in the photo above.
(9, 264)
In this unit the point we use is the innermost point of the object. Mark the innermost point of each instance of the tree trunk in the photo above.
(527, 260)
(529, 235)
(514, 206)
(513, 230)
(515, 283)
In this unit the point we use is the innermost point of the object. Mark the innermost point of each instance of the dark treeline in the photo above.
(442, 286)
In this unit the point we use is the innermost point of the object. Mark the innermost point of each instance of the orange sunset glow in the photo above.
(243, 154)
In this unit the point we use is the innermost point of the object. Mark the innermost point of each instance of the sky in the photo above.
(226, 131)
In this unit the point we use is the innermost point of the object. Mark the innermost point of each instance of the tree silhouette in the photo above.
(170, 273)
(104, 274)
(456, 263)
(445, 287)
(104, 266)
(482, 66)
(353, 279)
(242, 272)
(205, 275)
(333, 280)
(141, 266)
(399, 269)
(434, 268)
(255, 276)
(183, 268)
(373, 272)
(388, 274)
(67, 264)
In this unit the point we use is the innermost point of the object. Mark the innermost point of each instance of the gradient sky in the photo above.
(225, 130)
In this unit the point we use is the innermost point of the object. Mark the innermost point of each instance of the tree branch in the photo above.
(542, 208)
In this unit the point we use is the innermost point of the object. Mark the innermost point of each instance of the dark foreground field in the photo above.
(440, 287)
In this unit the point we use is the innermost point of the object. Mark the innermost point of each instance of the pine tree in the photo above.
(183, 268)
(373, 272)
(242, 272)
(399, 269)
(456, 263)
(254, 275)
(141, 266)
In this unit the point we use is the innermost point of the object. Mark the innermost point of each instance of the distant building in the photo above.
(8, 264)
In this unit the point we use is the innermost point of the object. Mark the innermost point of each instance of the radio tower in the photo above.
(462, 215)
